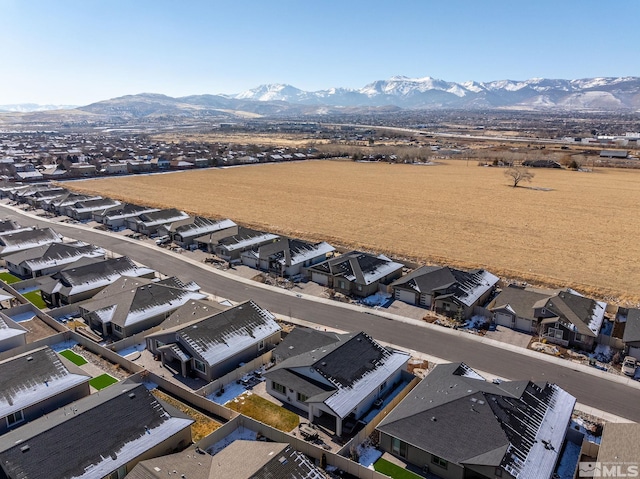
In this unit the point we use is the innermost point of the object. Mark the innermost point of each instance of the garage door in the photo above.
(321, 279)
(425, 300)
(635, 352)
(504, 319)
(523, 325)
(406, 296)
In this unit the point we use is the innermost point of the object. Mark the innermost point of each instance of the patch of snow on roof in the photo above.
(544, 452)
(597, 316)
(345, 400)
(133, 449)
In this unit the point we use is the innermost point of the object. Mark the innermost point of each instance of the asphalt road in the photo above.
(603, 394)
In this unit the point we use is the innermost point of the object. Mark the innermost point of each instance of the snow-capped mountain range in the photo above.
(589, 93)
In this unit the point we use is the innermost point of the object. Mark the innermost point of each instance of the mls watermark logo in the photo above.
(608, 469)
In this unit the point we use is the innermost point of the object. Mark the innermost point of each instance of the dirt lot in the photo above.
(565, 228)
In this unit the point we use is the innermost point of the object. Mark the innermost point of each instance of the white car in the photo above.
(629, 366)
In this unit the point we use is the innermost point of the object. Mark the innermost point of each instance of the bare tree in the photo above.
(518, 174)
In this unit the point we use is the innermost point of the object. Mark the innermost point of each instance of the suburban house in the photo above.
(286, 257)
(87, 276)
(446, 290)
(209, 241)
(631, 335)
(22, 240)
(570, 320)
(340, 380)
(131, 305)
(35, 383)
(59, 205)
(457, 425)
(241, 459)
(203, 341)
(514, 308)
(230, 248)
(49, 258)
(357, 273)
(160, 163)
(184, 232)
(148, 223)
(12, 335)
(133, 424)
(116, 216)
(40, 196)
(10, 226)
(83, 210)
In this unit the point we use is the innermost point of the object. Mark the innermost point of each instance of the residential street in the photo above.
(594, 391)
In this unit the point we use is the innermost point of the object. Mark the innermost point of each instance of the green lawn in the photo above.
(391, 470)
(265, 411)
(35, 298)
(8, 277)
(73, 357)
(102, 381)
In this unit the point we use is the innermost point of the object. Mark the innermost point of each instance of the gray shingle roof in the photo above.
(520, 301)
(466, 420)
(34, 376)
(28, 239)
(632, 327)
(130, 420)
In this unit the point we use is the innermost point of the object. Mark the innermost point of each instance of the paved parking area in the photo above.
(509, 336)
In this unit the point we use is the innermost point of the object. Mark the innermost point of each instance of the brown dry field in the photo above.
(237, 138)
(584, 233)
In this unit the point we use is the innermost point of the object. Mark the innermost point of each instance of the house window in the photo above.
(261, 345)
(120, 473)
(438, 461)
(341, 284)
(14, 418)
(398, 447)
(447, 307)
(498, 472)
(199, 365)
(279, 387)
(558, 334)
(359, 287)
(302, 397)
(117, 328)
(383, 386)
(580, 338)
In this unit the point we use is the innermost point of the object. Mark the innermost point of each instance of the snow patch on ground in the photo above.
(607, 328)
(602, 353)
(368, 454)
(241, 433)
(136, 348)
(585, 428)
(231, 391)
(475, 322)
(568, 461)
(378, 299)
(63, 345)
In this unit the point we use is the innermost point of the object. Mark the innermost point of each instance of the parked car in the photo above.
(162, 240)
(629, 366)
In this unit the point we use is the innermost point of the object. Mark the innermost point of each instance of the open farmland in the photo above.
(566, 228)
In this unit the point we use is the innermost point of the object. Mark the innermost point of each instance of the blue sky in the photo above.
(81, 51)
